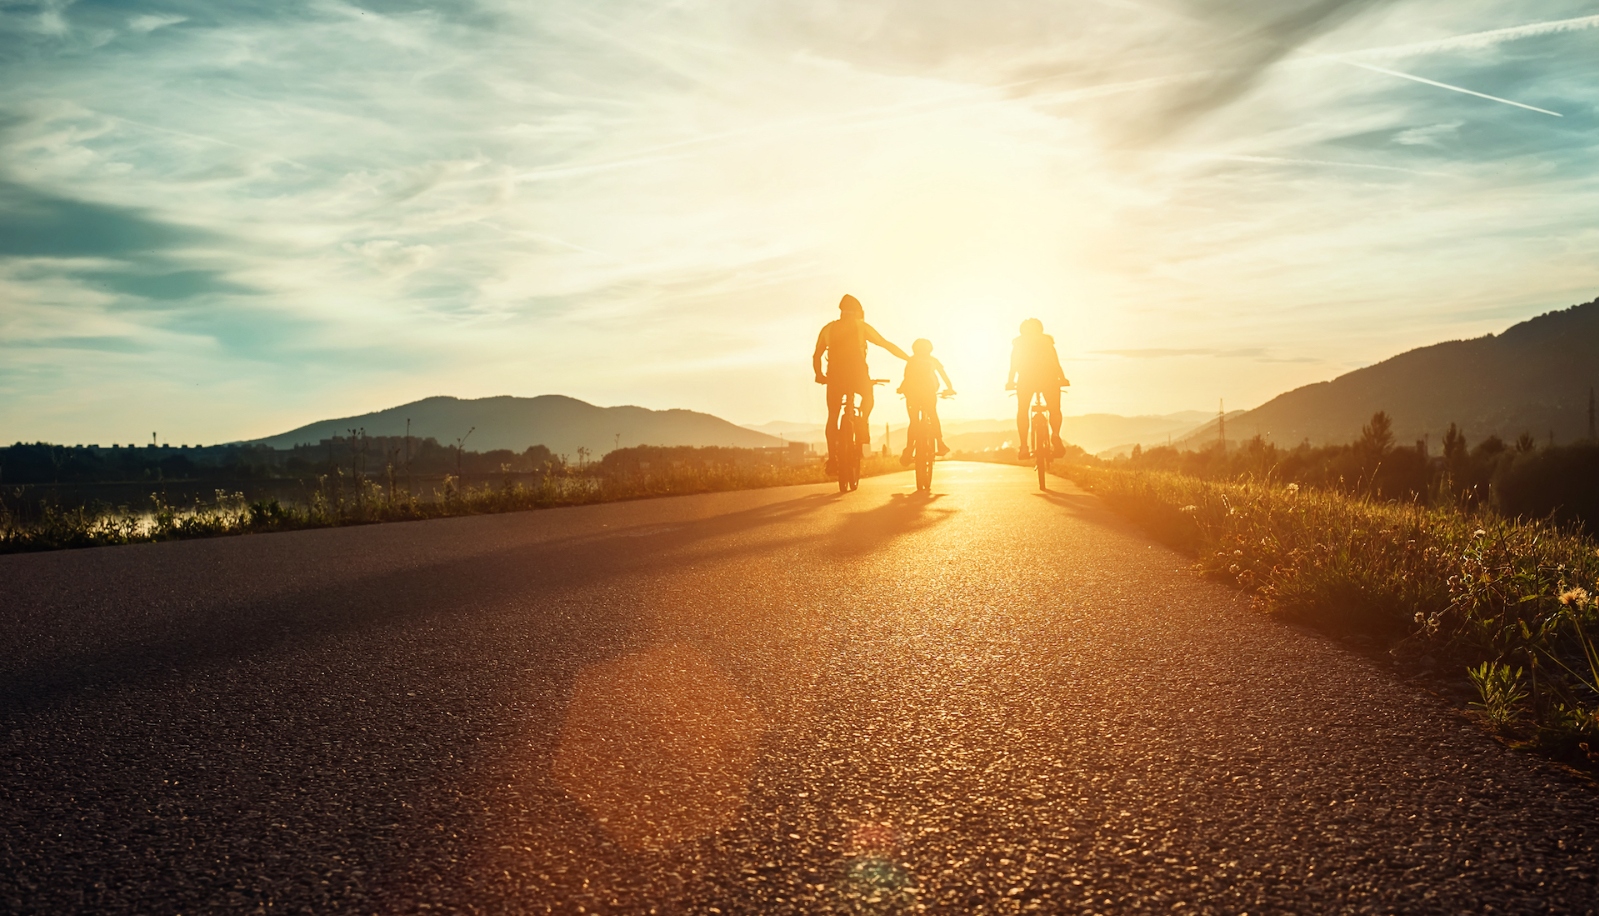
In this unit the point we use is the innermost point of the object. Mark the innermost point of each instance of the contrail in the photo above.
(1480, 40)
(1422, 79)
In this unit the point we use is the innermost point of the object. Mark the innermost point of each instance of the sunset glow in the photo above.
(221, 223)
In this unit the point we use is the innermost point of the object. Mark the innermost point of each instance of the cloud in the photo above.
(146, 23)
(328, 200)
(39, 224)
(1241, 48)
(1254, 354)
(1170, 353)
(1431, 135)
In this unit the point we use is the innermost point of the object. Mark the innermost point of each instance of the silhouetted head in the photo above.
(850, 305)
(922, 346)
(1031, 327)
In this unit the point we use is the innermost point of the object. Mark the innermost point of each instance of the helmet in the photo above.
(850, 305)
(1032, 326)
(922, 346)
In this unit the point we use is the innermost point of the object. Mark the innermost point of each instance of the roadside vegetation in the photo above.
(1528, 478)
(1456, 584)
(352, 497)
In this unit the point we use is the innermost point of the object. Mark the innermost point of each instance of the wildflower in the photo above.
(1238, 553)
(1293, 489)
(1574, 596)
(1189, 508)
(1479, 533)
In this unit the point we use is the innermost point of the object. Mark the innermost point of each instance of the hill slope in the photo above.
(1534, 377)
(563, 424)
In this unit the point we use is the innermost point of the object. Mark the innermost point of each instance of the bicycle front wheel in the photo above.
(848, 459)
(1041, 450)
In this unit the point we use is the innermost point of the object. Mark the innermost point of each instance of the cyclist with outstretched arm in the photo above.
(844, 343)
(1034, 368)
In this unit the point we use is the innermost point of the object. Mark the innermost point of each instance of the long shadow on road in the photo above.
(870, 530)
(217, 627)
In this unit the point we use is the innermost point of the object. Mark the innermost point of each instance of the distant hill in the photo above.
(563, 424)
(1200, 428)
(1534, 378)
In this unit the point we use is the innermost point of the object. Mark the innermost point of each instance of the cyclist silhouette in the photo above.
(1035, 367)
(920, 389)
(844, 341)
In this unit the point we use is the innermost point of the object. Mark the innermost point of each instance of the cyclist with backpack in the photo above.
(844, 343)
(1035, 369)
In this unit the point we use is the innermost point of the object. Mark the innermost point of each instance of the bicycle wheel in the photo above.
(924, 464)
(849, 455)
(1041, 449)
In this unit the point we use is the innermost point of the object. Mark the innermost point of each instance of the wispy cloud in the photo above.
(146, 23)
(263, 213)
(1255, 354)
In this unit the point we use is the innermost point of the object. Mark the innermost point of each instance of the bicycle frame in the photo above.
(1040, 439)
(847, 436)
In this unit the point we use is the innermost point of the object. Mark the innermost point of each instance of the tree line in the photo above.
(1523, 478)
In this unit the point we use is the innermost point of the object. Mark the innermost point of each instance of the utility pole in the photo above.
(1221, 422)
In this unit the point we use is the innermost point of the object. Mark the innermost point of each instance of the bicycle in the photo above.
(924, 447)
(1040, 440)
(847, 438)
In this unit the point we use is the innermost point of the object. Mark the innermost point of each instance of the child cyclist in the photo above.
(920, 389)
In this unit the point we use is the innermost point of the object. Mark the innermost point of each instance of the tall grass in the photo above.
(1466, 586)
(339, 500)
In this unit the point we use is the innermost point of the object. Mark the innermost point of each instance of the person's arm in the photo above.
(816, 358)
(876, 338)
(949, 386)
(1015, 370)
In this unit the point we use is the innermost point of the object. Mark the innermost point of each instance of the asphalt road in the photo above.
(779, 701)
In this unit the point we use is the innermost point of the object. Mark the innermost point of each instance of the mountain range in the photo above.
(1535, 377)
(561, 423)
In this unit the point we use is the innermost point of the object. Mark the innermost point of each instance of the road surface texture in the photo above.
(779, 701)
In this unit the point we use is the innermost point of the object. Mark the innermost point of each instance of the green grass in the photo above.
(1512, 600)
(340, 500)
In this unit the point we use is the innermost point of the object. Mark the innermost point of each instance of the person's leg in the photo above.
(1024, 400)
(1053, 397)
(866, 413)
(834, 404)
(910, 427)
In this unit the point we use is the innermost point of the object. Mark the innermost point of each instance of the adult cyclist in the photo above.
(844, 341)
(1035, 367)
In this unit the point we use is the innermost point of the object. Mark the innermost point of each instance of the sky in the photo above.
(223, 220)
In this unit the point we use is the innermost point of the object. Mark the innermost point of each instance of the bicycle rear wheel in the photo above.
(1041, 449)
(924, 463)
(848, 459)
